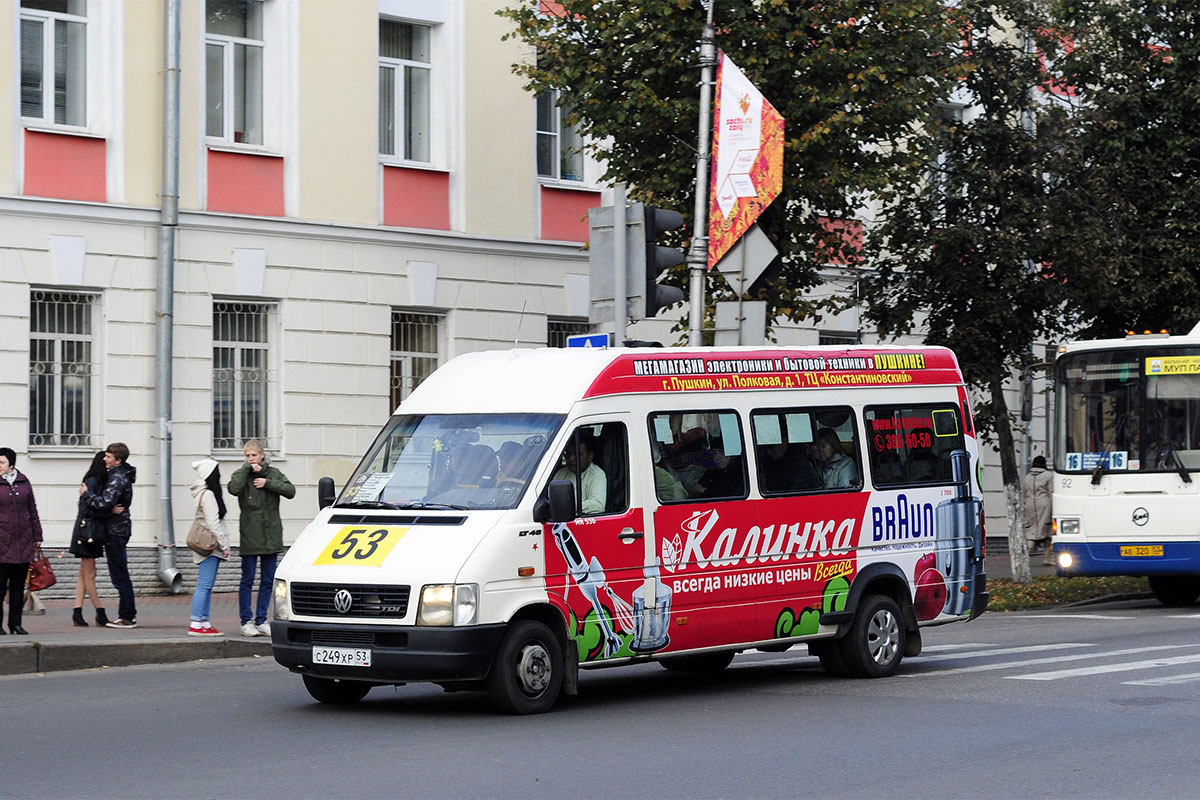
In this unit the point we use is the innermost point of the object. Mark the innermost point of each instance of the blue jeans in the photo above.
(202, 598)
(118, 573)
(267, 562)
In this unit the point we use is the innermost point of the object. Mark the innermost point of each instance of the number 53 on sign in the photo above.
(360, 547)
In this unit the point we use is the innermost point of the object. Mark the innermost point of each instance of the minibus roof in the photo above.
(551, 380)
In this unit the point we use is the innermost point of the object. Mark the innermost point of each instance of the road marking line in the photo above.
(1183, 616)
(937, 648)
(1006, 651)
(1190, 677)
(1126, 666)
(1050, 660)
(1075, 616)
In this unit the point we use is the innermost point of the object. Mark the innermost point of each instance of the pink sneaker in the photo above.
(210, 631)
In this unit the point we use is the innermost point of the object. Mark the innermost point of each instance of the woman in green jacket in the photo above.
(258, 487)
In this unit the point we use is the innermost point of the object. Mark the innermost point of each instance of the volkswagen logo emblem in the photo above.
(1140, 516)
(342, 600)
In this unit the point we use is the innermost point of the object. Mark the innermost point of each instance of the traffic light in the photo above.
(659, 259)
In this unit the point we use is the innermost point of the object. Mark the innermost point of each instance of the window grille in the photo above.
(241, 373)
(404, 82)
(61, 369)
(54, 61)
(838, 337)
(557, 330)
(416, 351)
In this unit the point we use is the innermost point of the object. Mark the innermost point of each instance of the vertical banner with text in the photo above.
(747, 159)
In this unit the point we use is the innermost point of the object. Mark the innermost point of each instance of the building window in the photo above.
(404, 73)
(838, 337)
(559, 145)
(241, 373)
(60, 369)
(54, 61)
(233, 70)
(416, 351)
(557, 330)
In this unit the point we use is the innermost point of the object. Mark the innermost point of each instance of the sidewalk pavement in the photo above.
(54, 643)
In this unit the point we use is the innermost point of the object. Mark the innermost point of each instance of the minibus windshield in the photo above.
(451, 461)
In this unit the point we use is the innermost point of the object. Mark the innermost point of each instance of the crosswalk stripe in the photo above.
(1168, 680)
(1007, 651)
(1101, 669)
(938, 648)
(1050, 660)
(1076, 616)
(1183, 616)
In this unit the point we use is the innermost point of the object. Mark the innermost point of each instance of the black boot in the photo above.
(101, 617)
(78, 619)
(18, 630)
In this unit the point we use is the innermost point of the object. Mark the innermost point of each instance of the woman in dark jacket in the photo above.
(20, 534)
(87, 544)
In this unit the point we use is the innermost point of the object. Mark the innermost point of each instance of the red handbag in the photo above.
(41, 576)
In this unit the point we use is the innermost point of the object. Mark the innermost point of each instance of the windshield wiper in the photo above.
(433, 506)
(366, 504)
(1181, 469)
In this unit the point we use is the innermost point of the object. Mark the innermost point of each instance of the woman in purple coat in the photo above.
(20, 533)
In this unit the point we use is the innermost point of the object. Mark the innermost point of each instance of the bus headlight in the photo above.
(280, 595)
(1068, 527)
(448, 604)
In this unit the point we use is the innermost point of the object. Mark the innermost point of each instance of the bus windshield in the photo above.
(451, 461)
(1135, 409)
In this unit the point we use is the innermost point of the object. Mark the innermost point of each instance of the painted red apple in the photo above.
(927, 561)
(930, 597)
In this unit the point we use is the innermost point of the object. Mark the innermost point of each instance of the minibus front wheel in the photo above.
(527, 675)
(875, 644)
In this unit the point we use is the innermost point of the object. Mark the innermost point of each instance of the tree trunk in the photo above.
(1018, 548)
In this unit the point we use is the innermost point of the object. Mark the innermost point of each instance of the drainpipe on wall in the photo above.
(165, 314)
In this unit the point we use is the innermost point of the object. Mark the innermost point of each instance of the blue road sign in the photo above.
(588, 340)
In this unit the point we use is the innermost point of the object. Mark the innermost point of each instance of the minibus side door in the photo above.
(595, 563)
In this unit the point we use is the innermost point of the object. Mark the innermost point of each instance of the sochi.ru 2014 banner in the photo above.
(747, 159)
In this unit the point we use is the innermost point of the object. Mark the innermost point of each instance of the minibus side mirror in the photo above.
(562, 501)
(960, 469)
(325, 493)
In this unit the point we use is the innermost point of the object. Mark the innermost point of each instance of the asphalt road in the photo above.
(1095, 702)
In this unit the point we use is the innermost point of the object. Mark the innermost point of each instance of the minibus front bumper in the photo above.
(397, 654)
(1127, 558)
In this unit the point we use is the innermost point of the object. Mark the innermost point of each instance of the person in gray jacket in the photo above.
(1036, 490)
(258, 486)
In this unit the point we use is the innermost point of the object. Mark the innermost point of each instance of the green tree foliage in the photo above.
(850, 77)
(957, 249)
(1128, 221)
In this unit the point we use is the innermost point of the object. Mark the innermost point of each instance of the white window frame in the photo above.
(401, 382)
(400, 90)
(48, 19)
(55, 437)
(560, 124)
(228, 47)
(267, 428)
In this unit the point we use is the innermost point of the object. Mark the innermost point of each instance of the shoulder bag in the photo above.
(200, 539)
(41, 576)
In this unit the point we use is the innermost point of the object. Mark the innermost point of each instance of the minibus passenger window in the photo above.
(697, 455)
(805, 450)
(911, 445)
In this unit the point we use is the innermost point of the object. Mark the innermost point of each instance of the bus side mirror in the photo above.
(325, 493)
(960, 469)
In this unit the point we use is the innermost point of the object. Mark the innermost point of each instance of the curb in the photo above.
(1111, 598)
(36, 656)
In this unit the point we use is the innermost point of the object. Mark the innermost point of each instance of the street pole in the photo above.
(697, 256)
(620, 274)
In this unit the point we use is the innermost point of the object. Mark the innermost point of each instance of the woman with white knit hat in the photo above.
(210, 512)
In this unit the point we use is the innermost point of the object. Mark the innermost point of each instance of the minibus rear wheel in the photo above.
(875, 644)
(334, 692)
(527, 675)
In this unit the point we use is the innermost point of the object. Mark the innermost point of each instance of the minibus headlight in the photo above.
(1068, 527)
(280, 595)
(448, 604)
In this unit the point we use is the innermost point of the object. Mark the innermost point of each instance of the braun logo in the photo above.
(1140, 516)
